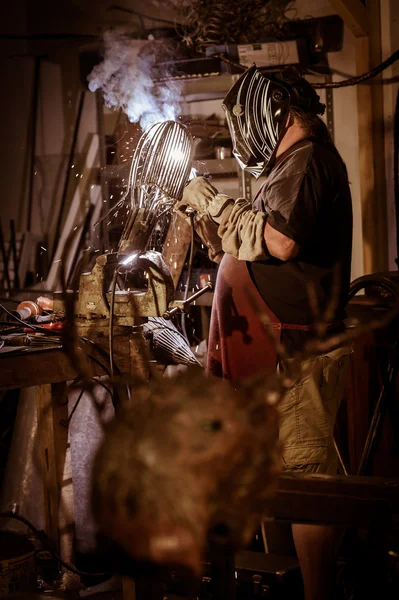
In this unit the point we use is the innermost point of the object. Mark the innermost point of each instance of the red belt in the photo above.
(239, 344)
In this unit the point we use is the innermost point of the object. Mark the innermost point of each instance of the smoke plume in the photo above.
(124, 76)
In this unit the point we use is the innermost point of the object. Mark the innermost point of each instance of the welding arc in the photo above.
(42, 537)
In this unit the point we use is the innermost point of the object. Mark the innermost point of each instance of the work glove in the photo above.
(197, 195)
(240, 227)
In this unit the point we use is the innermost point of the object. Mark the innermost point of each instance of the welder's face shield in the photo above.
(257, 110)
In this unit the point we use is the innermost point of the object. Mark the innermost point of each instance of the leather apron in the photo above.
(239, 345)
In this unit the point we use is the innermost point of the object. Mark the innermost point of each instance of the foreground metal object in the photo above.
(94, 298)
(160, 169)
(192, 459)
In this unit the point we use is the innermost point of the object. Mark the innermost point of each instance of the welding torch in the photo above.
(183, 304)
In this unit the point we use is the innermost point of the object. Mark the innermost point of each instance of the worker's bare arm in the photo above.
(279, 245)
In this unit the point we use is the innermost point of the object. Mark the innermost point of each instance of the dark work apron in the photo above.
(239, 344)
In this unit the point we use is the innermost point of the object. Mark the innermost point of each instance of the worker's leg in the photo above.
(315, 546)
(307, 418)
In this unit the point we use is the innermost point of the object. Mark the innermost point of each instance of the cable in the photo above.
(189, 270)
(111, 323)
(140, 14)
(359, 78)
(103, 353)
(43, 539)
(66, 422)
(334, 84)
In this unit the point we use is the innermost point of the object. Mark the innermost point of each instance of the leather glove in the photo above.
(241, 228)
(197, 195)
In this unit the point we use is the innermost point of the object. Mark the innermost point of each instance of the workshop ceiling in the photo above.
(86, 17)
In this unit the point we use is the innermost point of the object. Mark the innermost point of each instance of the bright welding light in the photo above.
(129, 259)
(177, 154)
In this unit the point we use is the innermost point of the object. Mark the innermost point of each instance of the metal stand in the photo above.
(387, 401)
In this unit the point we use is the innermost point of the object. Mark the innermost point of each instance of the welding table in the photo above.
(365, 502)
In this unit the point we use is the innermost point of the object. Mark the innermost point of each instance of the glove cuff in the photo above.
(220, 207)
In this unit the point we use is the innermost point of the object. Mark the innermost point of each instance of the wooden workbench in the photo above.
(357, 501)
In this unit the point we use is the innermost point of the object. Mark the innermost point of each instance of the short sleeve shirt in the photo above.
(307, 198)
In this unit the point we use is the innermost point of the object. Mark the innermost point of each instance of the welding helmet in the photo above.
(257, 109)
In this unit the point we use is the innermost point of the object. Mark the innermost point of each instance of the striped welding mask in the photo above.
(257, 108)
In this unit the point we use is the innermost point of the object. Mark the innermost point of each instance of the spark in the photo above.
(129, 259)
(42, 247)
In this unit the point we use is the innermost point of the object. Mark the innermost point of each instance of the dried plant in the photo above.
(206, 22)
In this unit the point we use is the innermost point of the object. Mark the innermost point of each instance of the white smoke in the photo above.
(124, 76)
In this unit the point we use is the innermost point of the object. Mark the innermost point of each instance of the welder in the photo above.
(292, 243)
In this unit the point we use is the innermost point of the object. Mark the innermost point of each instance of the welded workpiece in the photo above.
(160, 169)
(135, 282)
(169, 346)
(185, 464)
(93, 306)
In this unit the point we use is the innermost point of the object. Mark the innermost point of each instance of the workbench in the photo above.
(368, 502)
(47, 371)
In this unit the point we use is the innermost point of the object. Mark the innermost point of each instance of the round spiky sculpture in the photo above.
(191, 457)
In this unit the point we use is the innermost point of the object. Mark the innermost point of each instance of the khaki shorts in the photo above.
(308, 412)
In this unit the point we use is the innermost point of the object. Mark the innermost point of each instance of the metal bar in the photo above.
(379, 412)
(82, 238)
(67, 175)
(104, 241)
(4, 256)
(340, 459)
(35, 105)
(13, 243)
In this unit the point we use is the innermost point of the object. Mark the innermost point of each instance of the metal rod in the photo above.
(340, 459)
(80, 245)
(4, 256)
(13, 243)
(35, 105)
(379, 412)
(104, 241)
(67, 175)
